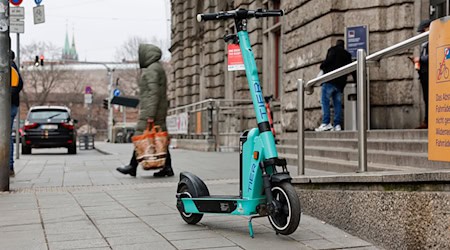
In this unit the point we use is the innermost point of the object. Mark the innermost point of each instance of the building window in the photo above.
(439, 8)
(272, 52)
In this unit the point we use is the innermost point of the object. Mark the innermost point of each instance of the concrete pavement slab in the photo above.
(184, 235)
(21, 228)
(203, 243)
(145, 246)
(78, 244)
(82, 202)
(135, 239)
(73, 236)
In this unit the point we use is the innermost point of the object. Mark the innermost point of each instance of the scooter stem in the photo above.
(259, 106)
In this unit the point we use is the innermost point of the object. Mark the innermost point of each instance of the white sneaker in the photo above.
(337, 128)
(324, 127)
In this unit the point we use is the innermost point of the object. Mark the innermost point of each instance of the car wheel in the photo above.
(26, 150)
(72, 150)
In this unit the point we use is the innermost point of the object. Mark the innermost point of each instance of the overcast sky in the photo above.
(100, 26)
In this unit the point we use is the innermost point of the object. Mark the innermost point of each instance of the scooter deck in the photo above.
(221, 204)
(221, 196)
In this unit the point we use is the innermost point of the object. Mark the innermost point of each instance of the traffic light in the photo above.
(105, 103)
(36, 61)
(42, 60)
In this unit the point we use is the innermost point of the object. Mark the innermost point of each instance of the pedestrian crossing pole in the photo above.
(18, 110)
(5, 96)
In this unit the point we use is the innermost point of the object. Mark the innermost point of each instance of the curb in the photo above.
(101, 151)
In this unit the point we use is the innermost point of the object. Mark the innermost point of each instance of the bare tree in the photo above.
(128, 52)
(74, 82)
(41, 81)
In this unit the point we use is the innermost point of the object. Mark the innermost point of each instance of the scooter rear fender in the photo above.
(197, 187)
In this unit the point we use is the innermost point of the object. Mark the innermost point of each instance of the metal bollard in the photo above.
(301, 127)
(362, 109)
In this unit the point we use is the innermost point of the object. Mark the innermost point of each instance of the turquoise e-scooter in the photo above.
(265, 183)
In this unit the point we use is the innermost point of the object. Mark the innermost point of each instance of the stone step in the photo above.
(419, 146)
(377, 156)
(419, 160)
(342, 166)
(408, 134)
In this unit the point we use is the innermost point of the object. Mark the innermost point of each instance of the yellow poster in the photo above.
(439, 87)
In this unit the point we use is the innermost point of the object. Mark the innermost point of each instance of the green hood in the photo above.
(148, 54)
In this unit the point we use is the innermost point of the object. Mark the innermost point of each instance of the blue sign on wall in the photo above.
(38, 1)
(116, 92)
(357, 37)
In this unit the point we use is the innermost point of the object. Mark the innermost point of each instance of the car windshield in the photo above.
(47, 114)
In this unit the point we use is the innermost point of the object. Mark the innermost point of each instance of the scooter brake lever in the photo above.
(231, 37)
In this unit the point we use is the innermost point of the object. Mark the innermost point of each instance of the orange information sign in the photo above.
(235, 60)
(439, 91)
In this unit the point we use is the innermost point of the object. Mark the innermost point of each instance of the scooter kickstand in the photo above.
(250, 227)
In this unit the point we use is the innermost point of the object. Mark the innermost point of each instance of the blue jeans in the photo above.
(330, 90)
(14, 110)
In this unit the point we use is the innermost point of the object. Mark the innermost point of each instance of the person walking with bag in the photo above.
(153, 103)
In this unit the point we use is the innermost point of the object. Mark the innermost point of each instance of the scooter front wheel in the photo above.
(189, 218)
(285, 221)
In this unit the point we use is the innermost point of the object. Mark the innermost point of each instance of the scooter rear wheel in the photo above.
(286, 220)
(189, 218)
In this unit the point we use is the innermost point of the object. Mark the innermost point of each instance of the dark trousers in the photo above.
(134, 163)
(424, 83)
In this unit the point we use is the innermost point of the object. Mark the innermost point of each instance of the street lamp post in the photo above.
(5, 97)
(18, 110)
(110, 96)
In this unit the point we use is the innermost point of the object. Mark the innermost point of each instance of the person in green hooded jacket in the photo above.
(153, 102)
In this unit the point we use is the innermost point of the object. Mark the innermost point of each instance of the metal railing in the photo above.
(360, 66)
(220, 119)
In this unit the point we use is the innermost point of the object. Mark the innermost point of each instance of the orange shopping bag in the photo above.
(144, 144)
(153, 147)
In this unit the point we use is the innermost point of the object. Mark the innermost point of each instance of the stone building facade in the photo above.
(292, 47)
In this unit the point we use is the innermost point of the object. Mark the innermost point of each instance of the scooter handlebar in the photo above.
(268, 13)
(239, 13)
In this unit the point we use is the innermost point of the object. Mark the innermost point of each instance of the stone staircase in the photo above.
(338, 151)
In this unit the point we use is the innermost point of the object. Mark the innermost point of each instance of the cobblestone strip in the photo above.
(99, 188)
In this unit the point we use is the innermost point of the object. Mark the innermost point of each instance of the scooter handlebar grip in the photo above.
(268, 13)
(207, 17)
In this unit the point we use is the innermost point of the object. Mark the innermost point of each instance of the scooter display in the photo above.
(265, 184)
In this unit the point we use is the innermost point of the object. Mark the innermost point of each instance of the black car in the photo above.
(49, 127)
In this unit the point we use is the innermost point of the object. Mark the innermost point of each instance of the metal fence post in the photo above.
(362, 109)
(301, 127)
(210, 119)
(217, 132)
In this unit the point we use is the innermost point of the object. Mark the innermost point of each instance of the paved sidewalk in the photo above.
(80, 202)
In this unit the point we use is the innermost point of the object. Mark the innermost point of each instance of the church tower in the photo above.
(69, 52)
